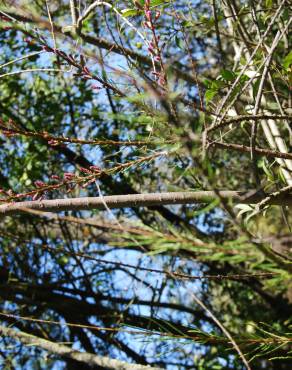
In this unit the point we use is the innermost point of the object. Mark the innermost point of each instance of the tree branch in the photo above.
(143, 200)
(67, 352)
(246, 149)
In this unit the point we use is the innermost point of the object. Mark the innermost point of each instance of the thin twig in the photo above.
(63, 139)
(225, 331)
(34, 70)
(170, 274)
(74, 15)
(257, 107)
(246, 149)
(246, 117)
(52, 25)
(21, 58)
(249, 61)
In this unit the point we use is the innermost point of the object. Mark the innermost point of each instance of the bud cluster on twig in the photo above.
(10, 129)
(70, 180)
(153, 47)
(82, 70)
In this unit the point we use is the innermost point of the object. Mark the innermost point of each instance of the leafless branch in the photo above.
(67, 352)
(246, 149)
(142, 200)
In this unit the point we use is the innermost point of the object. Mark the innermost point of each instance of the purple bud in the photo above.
(69, 175)
(47, 48)
(85, 170)
(53, 142)
(95, 168)
(39, 184)
(148, 14)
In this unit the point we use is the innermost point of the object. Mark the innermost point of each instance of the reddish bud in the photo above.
(86, 70)
(4, 18)
(28, 40)
(157, 15)
(8, 133)
(148, 14)
(161, 81)
(69, 175)
(85, 170)
(95, 168)
(151, 50)
(39, 184)
(53, 142)
(47, 48)
(55, 177)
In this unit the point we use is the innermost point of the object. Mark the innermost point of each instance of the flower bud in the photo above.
(39, 183)
(69, 175)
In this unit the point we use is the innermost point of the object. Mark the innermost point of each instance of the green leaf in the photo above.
(208, 208)
(158, 2)
(267, 170)
(255, 88)
(216, 84)
(287, 60)
(269, 3)
(130, 12)
(152, 2)
(227, 75)
(209, 95)
(244, 208)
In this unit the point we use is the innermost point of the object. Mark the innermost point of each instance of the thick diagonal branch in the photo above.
(67, 352)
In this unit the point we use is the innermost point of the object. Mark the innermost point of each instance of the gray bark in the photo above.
(67, 352)
(143, 200)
